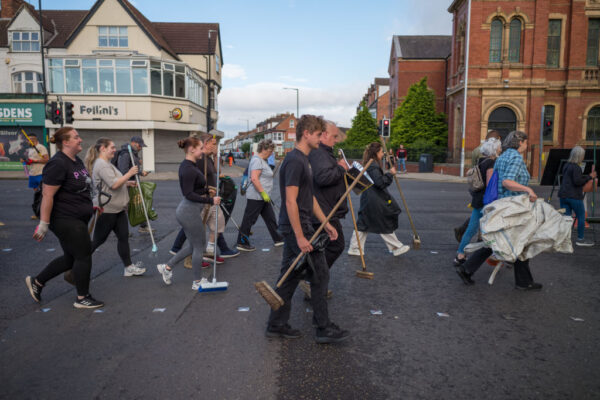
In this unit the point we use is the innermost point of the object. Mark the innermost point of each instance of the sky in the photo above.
(331, 50)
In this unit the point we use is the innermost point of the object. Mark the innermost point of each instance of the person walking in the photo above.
(37, 157)
(259, 198)
(108, 179)
(402, 154)
(571, 192)
(196, 195)
(378, 212)
(513, 179)
(65, 210)
(298, 205)
(490, 150)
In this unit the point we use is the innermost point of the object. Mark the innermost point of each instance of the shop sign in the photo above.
(14, 146)
(99, 110)
(26, 114)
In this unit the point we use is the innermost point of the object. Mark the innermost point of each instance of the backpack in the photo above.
(491, 191)
(474, 179)
(115, 159)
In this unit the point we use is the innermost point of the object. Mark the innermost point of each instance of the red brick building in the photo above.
(411, 59)
(377, 99)
(524, 55)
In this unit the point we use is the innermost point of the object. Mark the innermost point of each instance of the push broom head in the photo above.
(364, 274)
(270, 296)
(213, 286)
(416, 242)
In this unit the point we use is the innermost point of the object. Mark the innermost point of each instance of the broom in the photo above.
(271, 297)
(416, 238)
(361, 274)
(215, 286)
(137, 181)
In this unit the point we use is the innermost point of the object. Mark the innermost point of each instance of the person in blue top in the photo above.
(513, 180)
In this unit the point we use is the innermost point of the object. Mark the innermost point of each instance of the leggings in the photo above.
(119, 224)
(189, 216)
(72, 233)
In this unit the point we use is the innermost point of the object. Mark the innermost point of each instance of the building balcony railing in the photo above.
(591, 75)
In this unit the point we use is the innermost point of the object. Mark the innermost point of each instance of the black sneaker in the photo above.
(284, 331)
(331, 334)
(459, 261)
(245, 247)
(34, 289)
(88, 302)
(464, 275)
(531, 286)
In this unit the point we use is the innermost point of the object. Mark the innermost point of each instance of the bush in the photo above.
(420, 146)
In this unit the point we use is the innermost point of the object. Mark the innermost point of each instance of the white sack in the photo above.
(515, 228)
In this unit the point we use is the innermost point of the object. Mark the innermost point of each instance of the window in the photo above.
(112, 36)
(139, 76)
(514, 41)
(548, 123)
(25, 41)
(155, 78)
(292, 123)
(122, 76)
(592, 44)
(217, 63)
(90, 76)
(56, 77)
(496, 41)
(593, 124)
(73, 76)
(106, 76)
(27, 82)
(553, 51)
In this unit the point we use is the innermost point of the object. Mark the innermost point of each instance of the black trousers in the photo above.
(334, 248)
(254, 208)
(75, 241)
(523, 276)
(319, 280)
(119, 224)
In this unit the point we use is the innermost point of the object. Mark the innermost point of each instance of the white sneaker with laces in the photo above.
(401, 250)
(196, 284)
(134, 269)
(166, 274)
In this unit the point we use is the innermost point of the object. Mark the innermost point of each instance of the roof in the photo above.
(422, 47)
(65, 21)
(189, 38)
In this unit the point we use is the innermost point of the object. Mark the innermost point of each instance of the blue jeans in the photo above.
(575, 205)
(402, 164)
(471, 229)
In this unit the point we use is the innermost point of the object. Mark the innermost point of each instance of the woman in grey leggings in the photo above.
(189, 211)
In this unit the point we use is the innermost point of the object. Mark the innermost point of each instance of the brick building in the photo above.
(411, 59)
(524, 55)
(377, 99)
(280, 128)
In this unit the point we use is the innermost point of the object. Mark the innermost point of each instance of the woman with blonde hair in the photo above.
(107, 178)
(378, 212)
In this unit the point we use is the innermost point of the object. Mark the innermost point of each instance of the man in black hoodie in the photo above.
(124, 164)
(329, 186)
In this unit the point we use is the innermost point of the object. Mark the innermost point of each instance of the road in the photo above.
(494, 343)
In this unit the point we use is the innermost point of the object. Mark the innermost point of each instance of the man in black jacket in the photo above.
(329, 186)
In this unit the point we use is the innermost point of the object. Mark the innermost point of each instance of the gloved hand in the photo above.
(265, 196)
(40, 231)
(29, 161)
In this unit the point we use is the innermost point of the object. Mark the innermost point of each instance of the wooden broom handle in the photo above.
(331, 213)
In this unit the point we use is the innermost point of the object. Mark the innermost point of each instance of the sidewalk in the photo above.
(432, 177)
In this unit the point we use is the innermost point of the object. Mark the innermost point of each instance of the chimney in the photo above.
(9, 8)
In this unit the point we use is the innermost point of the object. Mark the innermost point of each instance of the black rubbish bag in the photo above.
(135, 209)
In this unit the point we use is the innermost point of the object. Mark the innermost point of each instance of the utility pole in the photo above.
(44, 91)
(209, 81)
(297, 100)
(464, 120)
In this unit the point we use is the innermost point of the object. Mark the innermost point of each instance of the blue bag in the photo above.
(491, 190)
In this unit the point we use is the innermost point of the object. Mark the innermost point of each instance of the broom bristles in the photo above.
(270, 296)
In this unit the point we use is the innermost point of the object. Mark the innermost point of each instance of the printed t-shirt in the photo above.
(36, 169)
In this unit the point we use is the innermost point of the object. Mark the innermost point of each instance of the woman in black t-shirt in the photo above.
(66, 209)
(490, 150)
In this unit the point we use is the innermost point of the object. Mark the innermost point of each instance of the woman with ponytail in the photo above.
(189, 211)
(113, 217)
(378, 212)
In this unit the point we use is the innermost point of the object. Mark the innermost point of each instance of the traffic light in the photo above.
(69, 113)
(548, 135)
(385, 127)
(56, 113)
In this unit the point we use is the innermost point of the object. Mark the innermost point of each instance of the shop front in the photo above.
(16, 117)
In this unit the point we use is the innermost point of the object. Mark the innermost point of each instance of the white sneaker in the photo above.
(196, 284)
(210, 249)
(134, 269)
(353, 252)
(166, 274)
(278, 244)
(401, 250)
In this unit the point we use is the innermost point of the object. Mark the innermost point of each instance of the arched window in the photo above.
(27, 82)
(496, 41)
(593, 124)
(503, 120)
(514, 41)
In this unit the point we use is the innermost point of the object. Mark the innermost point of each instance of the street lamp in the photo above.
(297, 99)
(209, 80)
(247, 123)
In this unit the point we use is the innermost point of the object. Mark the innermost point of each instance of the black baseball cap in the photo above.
(138, 140)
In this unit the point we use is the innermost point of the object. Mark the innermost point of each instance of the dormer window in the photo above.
(25, 41)
(112, 36)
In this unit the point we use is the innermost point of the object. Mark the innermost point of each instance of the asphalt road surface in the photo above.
(417, 331)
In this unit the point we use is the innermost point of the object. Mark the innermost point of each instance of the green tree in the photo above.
(363, 130)
(416, 121)
(246, 147)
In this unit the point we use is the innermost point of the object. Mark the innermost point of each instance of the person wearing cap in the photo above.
(124, 164)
